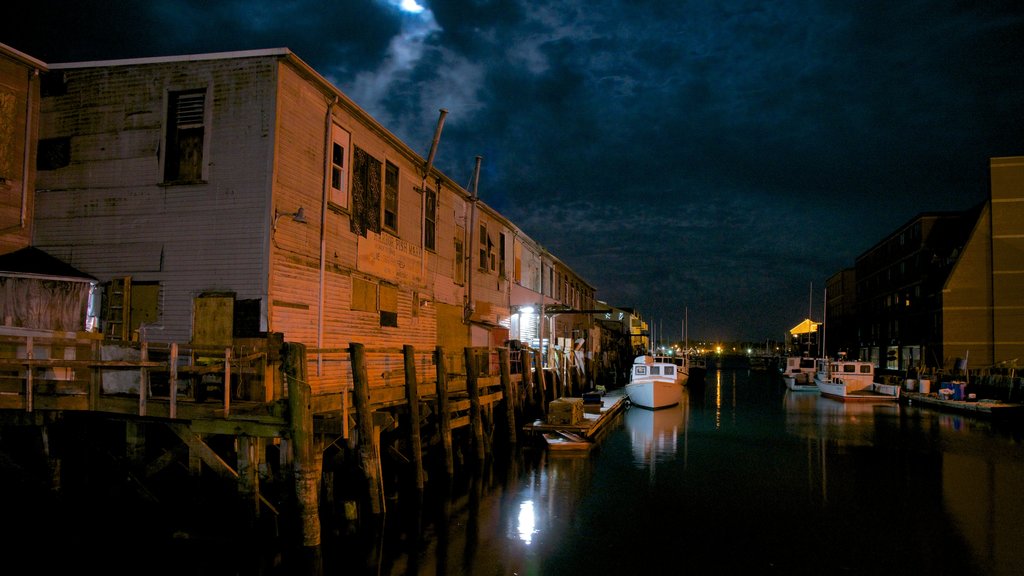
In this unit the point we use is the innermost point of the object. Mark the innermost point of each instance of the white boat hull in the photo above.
(654, 394)
(871, 392)
(800, 382)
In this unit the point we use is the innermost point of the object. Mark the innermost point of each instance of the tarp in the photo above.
(805, 327)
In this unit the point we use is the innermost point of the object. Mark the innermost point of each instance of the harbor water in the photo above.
(742, 477)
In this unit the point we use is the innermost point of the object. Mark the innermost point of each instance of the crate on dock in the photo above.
(565, 411)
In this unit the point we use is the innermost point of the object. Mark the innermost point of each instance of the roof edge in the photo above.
(177, 58)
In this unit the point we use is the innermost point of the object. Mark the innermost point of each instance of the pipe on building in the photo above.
(468, 311)
(423, 192)
(324, 195)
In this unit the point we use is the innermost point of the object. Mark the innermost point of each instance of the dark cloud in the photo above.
(714, 159)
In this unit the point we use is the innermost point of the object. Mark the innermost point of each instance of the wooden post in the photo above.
(134, 441)
(542, 385)
(95, 375)
(443, 412)
(28, 374)
(412, 396)
(227, 380)
(305, 462)
(174, 380)
(143, 380)
(369, 452)
(509, 389)
(248, 479)
(475, 419)
(529, 389)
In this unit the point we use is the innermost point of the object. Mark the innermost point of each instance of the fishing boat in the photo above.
(798, 373)
(653, 384)
(682, 367)
(846, 380)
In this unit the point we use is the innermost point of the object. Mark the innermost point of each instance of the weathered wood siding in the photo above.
(300, 286)
(108, 213)
(19, 102)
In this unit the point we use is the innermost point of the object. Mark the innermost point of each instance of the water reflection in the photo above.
(741, 467)
(655, 435)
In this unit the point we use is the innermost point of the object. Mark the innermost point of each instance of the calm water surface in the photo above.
(744, 477)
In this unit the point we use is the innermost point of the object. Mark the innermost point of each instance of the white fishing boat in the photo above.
(682, 367)
(653, 384)
(798, 373)
(846, 380)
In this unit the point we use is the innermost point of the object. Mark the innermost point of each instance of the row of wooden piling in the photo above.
(527, 395)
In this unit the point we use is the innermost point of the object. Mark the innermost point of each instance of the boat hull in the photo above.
(872, 392)
(799, 383)
(654, 394)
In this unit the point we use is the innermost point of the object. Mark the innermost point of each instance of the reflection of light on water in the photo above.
(718, 399)
(527, 521)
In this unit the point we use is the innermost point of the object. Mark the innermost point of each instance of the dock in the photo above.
(981, 406)
(595, 421)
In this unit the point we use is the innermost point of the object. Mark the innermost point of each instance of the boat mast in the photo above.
(824, 350)
(810, 316)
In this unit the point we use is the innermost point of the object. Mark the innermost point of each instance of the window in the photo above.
(186, 114)
(391, 197)
(366, 189)
(364, 295)
(483, 247)
(459, 273)
(339, 172)
(389, 305)
(430, 220)
(53, 153)
(501, 255)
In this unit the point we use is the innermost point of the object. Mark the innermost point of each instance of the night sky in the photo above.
(716, 160)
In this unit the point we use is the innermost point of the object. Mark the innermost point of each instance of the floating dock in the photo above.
(596, 418)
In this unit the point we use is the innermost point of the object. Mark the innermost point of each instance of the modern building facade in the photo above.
(943, 291)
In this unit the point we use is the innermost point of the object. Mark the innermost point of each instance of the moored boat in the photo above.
(653, 384)
(852, 380)
(798, 373)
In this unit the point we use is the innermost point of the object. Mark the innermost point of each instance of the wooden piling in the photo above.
(443, 412)
(412, 397)
(472, 389)
(369, 452)
(143, 379)
(542, 384)
(173, 380)
(509, 391)
(306, 464)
